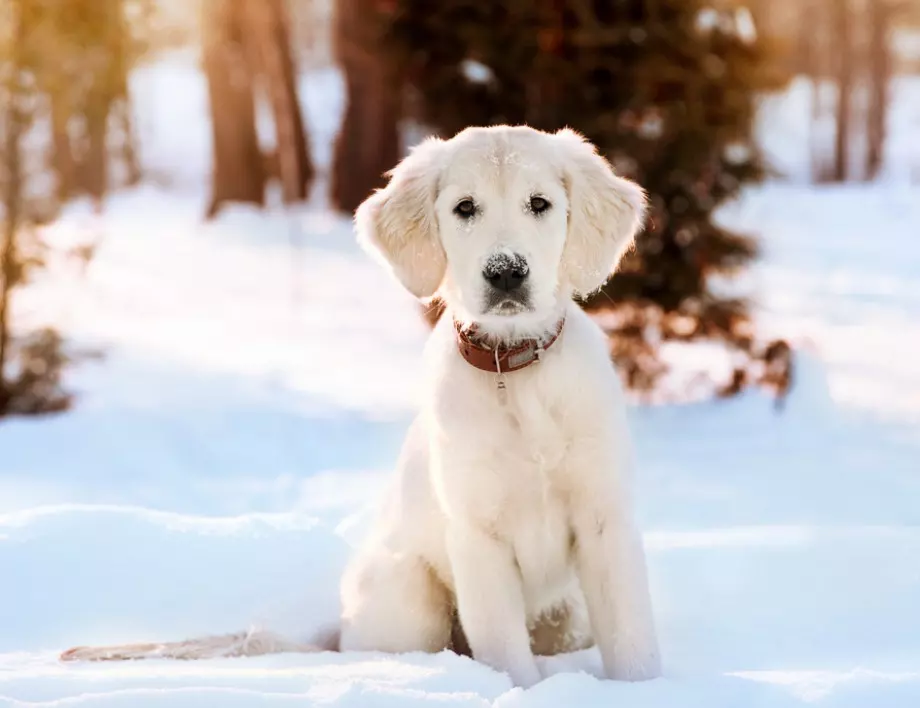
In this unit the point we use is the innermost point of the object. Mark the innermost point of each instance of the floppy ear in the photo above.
(398, 222)
(605, 213)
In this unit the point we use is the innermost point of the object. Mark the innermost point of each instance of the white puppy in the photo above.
(509, 530)
(512, 504)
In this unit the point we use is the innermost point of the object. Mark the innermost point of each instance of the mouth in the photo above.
(506, 304)
(507, 307)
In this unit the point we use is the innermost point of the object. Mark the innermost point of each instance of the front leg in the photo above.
(612, 570)
(611, 566)
(490, 602)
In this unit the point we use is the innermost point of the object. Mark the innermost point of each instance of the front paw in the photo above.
(634, 664)
(525, 676)
(523, 672)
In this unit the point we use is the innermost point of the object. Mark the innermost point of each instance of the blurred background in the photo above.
(310, 102)
(187, 325)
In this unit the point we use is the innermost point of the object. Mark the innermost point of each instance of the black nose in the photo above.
(506, 274)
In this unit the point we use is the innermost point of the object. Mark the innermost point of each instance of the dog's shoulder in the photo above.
(583, 374)
(583, 343)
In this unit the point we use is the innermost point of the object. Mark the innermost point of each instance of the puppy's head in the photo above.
(504, 223)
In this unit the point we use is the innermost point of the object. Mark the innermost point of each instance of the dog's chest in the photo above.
(503, 465)
(537, 521)
(526, 444)
(538, 528)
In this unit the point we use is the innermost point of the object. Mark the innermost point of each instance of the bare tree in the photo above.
(63, 159)
(127, 148)
(247, 47)
(79, 54)
(368, 143)
(879, 72)
(271, 50)
(809, 59)
(120, 108)
(13, 127)
(238, 171)
(843, 51)
(31, 363)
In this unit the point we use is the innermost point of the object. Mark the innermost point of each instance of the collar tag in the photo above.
(500, 380)
(502, 390)
(523, 358)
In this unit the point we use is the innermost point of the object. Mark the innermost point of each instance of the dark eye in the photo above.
(465, 209)
(538, 205)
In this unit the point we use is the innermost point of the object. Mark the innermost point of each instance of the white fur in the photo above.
(517, 516)
(508, 512)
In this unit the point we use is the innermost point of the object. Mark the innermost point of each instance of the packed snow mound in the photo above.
(740, 610)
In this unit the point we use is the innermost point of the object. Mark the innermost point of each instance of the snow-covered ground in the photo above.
(259, 372)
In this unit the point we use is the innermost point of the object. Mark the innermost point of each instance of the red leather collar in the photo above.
(501, 360)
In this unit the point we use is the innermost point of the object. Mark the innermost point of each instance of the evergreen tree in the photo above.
(666, 90)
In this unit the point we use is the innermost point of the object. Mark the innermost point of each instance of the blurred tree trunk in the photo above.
(122, 97)
(63, 159)
(238, 172)
(120, 101)
(368, 143)
(13, 128)
(107, 73)
(78, 57)
(807, 58)
(269, 26)
(843, 49)
(94, 172)
(879, 78)
(128, 147)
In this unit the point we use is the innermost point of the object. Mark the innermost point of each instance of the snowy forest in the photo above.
(668, 90)
(204, 383)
